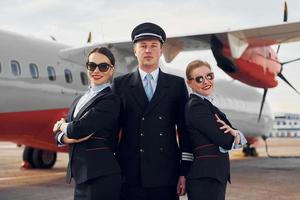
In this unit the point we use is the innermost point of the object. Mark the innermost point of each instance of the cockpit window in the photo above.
(51, 73)
(34, 71)
(15, 68)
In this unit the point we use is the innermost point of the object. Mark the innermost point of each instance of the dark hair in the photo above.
(194, 65)
(105, 51)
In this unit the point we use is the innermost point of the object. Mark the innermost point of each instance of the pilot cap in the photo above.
(147, 31)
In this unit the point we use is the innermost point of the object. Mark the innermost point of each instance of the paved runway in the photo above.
(259, 178)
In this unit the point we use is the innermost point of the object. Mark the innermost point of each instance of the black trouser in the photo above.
(205, 189)
(100, 188)
(137, 192)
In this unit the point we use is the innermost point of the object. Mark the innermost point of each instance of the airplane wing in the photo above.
(78, 55)
(237, 40)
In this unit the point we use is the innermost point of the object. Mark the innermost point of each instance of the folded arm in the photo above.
(201, 118)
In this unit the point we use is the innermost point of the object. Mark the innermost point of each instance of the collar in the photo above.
(98, 88)
(154, 74)
(208, 98)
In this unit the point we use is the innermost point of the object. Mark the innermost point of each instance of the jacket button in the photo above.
(161, 149)
(160, 117)
(161, 134)
(141, 150)
(143, 118)
(142, 134)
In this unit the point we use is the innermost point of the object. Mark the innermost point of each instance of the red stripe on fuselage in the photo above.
(31, 128)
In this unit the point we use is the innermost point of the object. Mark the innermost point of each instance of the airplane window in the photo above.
(68, 76)
(34, 71)
(15, 68)
(51, 73)
(84, 78)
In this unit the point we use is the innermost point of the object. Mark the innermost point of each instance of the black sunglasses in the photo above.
(103, 67)
(200, 79)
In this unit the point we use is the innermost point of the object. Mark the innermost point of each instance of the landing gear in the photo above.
(38, 158)
(250, 151)
(27, 158)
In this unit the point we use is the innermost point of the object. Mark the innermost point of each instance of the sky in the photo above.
(111, 20)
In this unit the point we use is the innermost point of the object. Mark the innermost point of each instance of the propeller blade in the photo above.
(52, 37)
(290, 61)
(285, 18)
(285, 80)
(262, 104)
(285, 14)
(89, 40)
(278, 47)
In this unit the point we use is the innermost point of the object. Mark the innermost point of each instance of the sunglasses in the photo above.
(200, 79)
(103, 67)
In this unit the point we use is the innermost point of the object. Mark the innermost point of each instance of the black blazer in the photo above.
(206, 138)
(93, 157)
(148, 152)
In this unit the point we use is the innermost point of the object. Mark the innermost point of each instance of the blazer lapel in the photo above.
(137, 90)
(90, 102)
(160, 91)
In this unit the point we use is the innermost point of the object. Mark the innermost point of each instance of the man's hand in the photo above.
(181, 186)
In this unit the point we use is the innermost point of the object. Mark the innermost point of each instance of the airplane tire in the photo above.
(253, 152)
(27, 156)
(250, 151)
(43, 159)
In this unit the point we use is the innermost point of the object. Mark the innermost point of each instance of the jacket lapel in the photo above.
(137, 90)
(90, 102)
(160, 91)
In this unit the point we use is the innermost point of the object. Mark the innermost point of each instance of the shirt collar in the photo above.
(154, 74)
(208, 98)
(98, 88)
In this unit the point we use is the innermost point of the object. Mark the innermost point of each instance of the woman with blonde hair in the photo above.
(211, 136)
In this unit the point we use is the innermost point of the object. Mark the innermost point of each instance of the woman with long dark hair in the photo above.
(90, 130)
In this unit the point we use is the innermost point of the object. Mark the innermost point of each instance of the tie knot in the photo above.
(148, 77)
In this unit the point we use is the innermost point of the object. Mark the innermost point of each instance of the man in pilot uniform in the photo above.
(153, 161)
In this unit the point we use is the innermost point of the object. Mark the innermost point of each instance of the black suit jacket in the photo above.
(148, 152)
(95, 156)
(206, 138)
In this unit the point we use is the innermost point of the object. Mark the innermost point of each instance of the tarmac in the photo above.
(259, 178)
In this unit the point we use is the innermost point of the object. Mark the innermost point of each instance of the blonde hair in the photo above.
(194, 65)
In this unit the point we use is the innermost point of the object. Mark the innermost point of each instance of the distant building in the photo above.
(286, 125)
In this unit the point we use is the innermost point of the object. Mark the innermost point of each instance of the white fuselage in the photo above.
(22, 93)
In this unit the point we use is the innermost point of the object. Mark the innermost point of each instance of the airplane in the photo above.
(39, 79)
